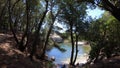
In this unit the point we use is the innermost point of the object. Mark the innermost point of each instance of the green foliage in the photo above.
(94, 51)
(73, 14)
(65, 35)
(104, 33)
(113, 6)
(26, 16)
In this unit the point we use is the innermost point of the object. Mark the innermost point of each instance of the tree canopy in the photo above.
(104, 37)
(32, 22)
(113, 6)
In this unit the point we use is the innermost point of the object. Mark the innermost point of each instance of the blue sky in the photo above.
(95, 13)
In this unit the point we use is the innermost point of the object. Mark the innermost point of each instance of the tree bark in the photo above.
(34, 45)
(10, 22)
(48, 34)
(76, 54)
(3, 11)
(20, 44)
(72, 42)
(115, 11)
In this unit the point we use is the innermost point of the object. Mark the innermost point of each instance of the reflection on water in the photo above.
(64, 57)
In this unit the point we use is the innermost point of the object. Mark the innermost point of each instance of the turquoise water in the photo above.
(64, 57)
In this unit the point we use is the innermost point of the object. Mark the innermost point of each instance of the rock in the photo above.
(52, 58)
(56, 38)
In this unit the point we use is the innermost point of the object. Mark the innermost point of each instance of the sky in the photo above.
(95, 13)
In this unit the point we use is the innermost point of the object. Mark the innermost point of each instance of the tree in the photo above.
(113, 6)
(37, 32)
(73, 14)
(21, 44)
(3, 8)
(104, 36)
(53, 18)
(26, 18)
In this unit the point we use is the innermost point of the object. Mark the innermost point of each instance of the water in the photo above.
(64, 57)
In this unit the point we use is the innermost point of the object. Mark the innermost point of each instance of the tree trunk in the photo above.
(46, 41)
(72, 42)
(48, 34)
(22, 41)
(76, 54)
(116, 14)
(34, 45)
(10, 22)
(113, 9)
(3, 11)
(20, 44)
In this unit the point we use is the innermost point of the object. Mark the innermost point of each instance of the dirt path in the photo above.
(10, 57)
